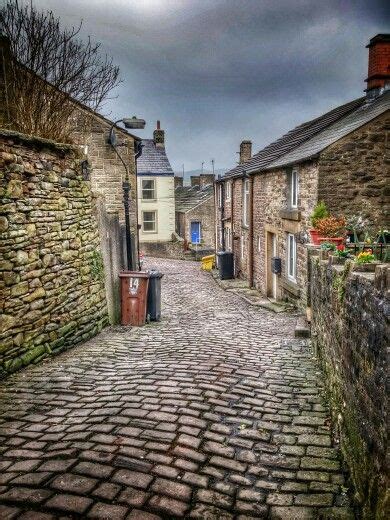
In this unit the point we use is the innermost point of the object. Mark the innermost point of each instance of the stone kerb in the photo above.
(52, 278)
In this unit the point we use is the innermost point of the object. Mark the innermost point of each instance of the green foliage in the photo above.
(319, 212)
(97, 266)
(365, 257)
(328, 246)
(342, 253)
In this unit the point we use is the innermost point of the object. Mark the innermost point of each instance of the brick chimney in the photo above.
(178, 182)
(378, 79)
(206, 179)
(195, 180)
(245, 151)
(159, 136)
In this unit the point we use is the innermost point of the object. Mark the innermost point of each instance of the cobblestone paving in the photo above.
(214, 413)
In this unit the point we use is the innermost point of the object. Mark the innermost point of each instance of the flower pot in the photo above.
(314, 235)
(369, 267)
(333, 240)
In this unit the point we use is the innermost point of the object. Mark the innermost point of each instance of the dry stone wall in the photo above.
(52, 279)
(350, 331)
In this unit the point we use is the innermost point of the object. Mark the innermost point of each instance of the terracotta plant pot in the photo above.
(333, 240)
(314, 235)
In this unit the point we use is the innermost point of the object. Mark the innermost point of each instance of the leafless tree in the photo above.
(53, 69)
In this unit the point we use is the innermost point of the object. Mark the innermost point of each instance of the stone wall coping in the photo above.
(380, 277)
(40, 142)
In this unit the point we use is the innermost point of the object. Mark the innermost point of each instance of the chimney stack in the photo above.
(195, 180)
(178, 182)
(206, 179)
(245, 151)
(159, 136)
(378, 79)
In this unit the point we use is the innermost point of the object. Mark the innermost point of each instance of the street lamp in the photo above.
(135, 123)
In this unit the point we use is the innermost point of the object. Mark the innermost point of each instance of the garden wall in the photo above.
(51, 266)
(350, 331)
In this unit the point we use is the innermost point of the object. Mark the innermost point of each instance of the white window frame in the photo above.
(153, 190)
(291, 273)
(228, 191)
(155, 221)
(245, 203)
(294, 188)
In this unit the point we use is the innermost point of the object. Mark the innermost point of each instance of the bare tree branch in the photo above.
(52, 68)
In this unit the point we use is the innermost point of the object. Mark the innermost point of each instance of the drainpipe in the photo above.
(137, 154)
(251, 179)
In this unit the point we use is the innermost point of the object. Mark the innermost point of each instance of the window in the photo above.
(228, 190)
(245, 203)
(291, 257)
(293, 189)
(148, 189)
(149, 221)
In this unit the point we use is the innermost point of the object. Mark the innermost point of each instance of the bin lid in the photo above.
(223, 253)
(133, 274)
(153, 273)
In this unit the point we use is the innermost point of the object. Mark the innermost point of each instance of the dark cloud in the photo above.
(218, 71)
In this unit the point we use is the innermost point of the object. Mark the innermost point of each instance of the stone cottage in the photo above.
(195, 211)
(265, 202)
(156, 199)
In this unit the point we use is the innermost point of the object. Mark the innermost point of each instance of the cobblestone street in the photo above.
(213, 413)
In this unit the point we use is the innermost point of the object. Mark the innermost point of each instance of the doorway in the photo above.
(195, 232)
(272, 278)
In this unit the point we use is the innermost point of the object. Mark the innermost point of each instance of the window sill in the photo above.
(290, 214)
(149, 232)
(290, 286)
(148, 200)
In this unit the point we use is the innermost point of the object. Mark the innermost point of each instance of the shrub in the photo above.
(319, 212)
(331, 226)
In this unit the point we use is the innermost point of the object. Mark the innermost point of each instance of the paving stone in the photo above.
(93, 469)
(73, 483)
(292, 513)
(107, 491)
(25, 495)
(309, 499)
(172, 488)
(215, 498)
(69, 503)
(103, 511)
(207, 512)
(132, 478)
(133, 497)
(8, 512)
(137, 514)
(168, 505)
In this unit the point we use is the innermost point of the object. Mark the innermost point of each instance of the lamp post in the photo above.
(132, 122)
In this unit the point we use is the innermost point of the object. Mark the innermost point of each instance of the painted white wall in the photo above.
(164, 204)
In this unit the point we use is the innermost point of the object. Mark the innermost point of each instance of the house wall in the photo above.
(52, 276)
(203, 213)
(354, 176)
(270, 196)
(164, 204)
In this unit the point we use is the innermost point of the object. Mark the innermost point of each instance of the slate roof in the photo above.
(154, 160)
(187, 197)
(307, 140)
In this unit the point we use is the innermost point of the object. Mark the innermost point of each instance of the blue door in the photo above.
(195, 232)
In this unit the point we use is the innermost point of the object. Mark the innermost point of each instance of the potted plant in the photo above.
(320, 211)
(331, 229)
(340, 255)
(365, 261)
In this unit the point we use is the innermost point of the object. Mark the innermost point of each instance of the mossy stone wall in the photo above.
(52, 287)
(350, 331)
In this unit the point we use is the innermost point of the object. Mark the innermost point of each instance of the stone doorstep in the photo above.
(302, 328)
(251, 296)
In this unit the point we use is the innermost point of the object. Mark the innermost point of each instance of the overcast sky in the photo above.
(216, 72)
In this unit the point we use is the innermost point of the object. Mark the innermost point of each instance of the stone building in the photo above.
(106, 173)
(195, 212)
(156, 199)
(265, 203)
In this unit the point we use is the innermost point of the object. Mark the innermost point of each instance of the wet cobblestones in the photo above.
(214, 413)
